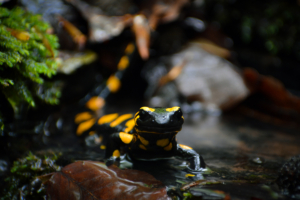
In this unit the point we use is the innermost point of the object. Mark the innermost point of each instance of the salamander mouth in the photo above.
(155, 129)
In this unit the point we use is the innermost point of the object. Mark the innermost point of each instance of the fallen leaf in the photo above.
(141, 30)
(272, 88)
(78, 37)
(94, 180)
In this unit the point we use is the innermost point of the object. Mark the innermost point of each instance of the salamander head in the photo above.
(158, 120)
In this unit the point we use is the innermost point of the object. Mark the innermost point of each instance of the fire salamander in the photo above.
(151, 135)
(95, 100)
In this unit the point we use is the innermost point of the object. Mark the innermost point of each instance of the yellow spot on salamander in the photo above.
(85, 126)
(107, 118)
(173, 109)
(92, 132)
(182, 117)
(143, 141)
(120, 119)
(129, 125)
(82, 117)
(142, 147)
(169, 147)
(116, 153)
(125, 137)
(123, 63)
(147, 109)
(102, 147)
(162, 142)
(136, 116)
(95, 103)
(184, 146)
(189, 175)
(113, 83)
(129, 49)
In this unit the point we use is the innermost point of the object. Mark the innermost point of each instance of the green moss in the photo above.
(22, 182)
(27, 57)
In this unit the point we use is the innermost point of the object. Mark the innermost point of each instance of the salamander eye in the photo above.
(143, 115)
(178, 114)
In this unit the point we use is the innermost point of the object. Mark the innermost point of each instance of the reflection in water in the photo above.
(207, 131)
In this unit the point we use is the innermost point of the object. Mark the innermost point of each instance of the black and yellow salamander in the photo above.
(95, 100)
(151, 135)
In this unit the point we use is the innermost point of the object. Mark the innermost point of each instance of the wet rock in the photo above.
(196, 75)
(208, 78)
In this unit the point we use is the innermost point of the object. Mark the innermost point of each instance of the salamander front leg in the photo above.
(115, 141)
(187, 153)
(112, 153)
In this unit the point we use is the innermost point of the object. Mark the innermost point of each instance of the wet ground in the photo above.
(240, 134)
(243, 153)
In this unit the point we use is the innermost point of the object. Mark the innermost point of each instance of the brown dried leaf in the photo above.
(141, 30)
(172, 74)
(78, 37)
(272, 88)
(93, 180)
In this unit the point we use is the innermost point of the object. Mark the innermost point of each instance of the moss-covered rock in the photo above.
(27, 58)
(22, 182)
